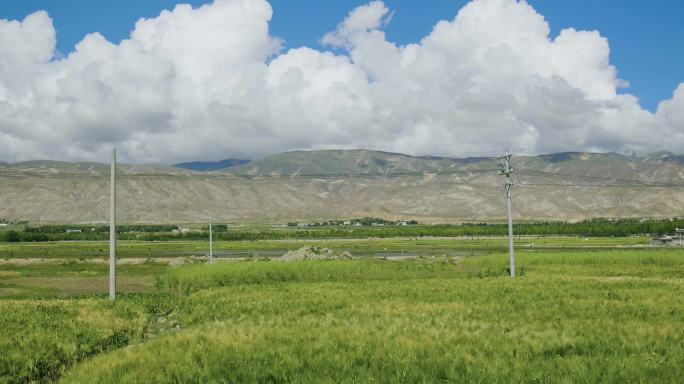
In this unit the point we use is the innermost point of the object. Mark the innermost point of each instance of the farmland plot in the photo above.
(609, 316)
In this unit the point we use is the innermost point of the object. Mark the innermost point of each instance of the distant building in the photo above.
(73, 231)
(4, 224)
(662, 240)
(402, 223)
(669, 240)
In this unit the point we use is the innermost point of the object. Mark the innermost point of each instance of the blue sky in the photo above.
(646, 38)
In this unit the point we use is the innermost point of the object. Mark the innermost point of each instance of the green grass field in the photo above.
(145, 249)
(74, 278)
(599, 316)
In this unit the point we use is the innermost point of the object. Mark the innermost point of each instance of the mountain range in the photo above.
(211, 165)
(327, 184)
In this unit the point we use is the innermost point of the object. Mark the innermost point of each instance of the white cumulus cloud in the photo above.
(211, 82)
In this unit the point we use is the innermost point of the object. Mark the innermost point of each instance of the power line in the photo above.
(601, 185)
(522, 176)
(246, 177)
(587, 178)
(591, 181)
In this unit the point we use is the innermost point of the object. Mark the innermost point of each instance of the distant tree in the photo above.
(12, 237)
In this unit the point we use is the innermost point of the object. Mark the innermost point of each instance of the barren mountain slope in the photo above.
(464, 189)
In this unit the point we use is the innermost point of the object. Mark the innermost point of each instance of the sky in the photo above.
(218, 81)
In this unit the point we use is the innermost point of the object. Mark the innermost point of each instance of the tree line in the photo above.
(588, 228)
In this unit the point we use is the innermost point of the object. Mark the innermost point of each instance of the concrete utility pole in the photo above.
(507, 171)
(211, 243)
(112, 229)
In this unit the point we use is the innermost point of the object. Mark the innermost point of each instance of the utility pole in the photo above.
(211, 243)
(507, 170)
(112, 229)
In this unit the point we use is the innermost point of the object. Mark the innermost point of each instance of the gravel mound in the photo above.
(308, 252)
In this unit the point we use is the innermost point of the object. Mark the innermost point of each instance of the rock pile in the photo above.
(179, 261)
(308, 252)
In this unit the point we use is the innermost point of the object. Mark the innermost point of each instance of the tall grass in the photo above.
(40, 339)
(571, 317)
(646, 262)
(402, 322)
(196, 277)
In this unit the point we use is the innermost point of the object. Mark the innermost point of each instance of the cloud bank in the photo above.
(211, 82)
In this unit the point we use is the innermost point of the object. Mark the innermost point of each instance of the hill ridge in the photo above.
(431, 190)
